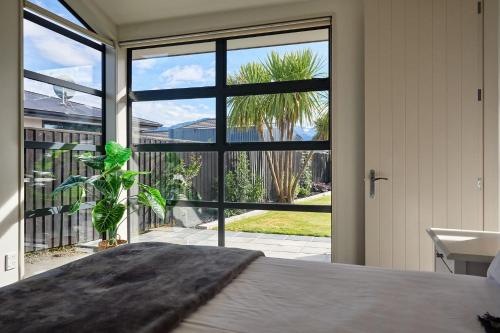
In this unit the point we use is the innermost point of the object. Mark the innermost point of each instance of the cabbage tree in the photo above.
(276, 116)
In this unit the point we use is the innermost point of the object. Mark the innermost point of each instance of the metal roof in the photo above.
(52, 108)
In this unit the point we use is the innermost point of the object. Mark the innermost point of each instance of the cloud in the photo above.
(79, 74)
(170, 113)
(58, 49)
(184, 75)
(144, 64)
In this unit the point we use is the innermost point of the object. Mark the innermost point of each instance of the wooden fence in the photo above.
(45, 169)
(205, 184)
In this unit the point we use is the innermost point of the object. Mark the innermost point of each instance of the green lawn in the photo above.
(288, 223)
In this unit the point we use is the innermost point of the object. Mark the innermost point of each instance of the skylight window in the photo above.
(60, 9)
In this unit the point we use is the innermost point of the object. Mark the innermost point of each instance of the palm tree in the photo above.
(276, 116)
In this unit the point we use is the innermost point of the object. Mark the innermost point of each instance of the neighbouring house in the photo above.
(203, 130)
(48, 112)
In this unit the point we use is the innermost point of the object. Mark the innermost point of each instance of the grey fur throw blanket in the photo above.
(143, 287)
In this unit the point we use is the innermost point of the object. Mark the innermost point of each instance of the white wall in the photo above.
(348, 243)
(10, 135)
(101, 24)
(121, 117)
(491, 115)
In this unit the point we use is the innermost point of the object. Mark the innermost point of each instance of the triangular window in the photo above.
(60, 8)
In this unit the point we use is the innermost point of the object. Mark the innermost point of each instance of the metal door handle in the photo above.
(373, 179)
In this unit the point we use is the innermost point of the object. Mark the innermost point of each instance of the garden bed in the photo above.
(40, 261)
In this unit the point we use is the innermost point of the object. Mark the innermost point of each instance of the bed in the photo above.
(280, 295)
(248, 293)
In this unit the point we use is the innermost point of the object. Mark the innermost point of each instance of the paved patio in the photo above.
(278, 246)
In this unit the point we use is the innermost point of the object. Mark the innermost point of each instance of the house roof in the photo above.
(201, 123)
(194, 129)
(51, 108)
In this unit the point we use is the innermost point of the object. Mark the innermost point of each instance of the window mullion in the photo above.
(220, 128)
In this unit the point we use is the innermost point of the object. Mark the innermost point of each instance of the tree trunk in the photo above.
(301, 170)
(273, 172)
(269, 156)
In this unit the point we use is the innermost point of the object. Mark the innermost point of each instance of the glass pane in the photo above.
(179, 121)
(49, 53)
(178, 176)
(300, 116)
(183, 175)
(57, 8)
(73, 116)
(185, 225)
(52, 241)
(44, 170)
(293, 177)
(279, 57)
(282, 234)
(180, 66)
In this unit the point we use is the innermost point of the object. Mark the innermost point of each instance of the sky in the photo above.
(52, 54)
(197, 70)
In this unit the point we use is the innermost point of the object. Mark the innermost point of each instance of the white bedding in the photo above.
(279, 295)
(494, 269)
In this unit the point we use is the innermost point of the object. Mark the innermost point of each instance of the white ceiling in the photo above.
(122, 12)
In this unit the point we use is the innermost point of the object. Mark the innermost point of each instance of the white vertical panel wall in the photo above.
(423, 125)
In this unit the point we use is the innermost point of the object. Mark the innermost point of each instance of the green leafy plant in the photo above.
(108, 213)
(305, 182)
(177, 178)
(240, 187)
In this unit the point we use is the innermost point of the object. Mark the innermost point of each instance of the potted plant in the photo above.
(108, 212)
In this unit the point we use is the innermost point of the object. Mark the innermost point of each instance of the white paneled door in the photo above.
(423, 126)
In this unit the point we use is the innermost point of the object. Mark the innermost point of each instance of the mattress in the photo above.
(279, 295)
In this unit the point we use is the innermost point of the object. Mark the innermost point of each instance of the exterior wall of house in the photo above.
(10, 137)
(33, 122)
(348, 119)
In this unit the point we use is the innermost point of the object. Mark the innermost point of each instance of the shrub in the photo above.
(305, 182)
(177, 179)
(240, 187)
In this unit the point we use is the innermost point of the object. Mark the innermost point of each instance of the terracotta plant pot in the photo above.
(104, 244)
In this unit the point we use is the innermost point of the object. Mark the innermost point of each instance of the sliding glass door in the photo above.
(235, 132)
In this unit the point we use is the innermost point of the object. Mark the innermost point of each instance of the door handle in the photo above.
(373, 180)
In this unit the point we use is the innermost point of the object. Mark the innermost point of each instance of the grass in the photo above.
(288, 223)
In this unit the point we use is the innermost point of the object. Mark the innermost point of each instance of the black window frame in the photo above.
(220, 92)
(75, 14)
(101, 93)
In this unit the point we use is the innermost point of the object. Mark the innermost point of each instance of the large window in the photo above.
(244, 124)
(63, 118)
